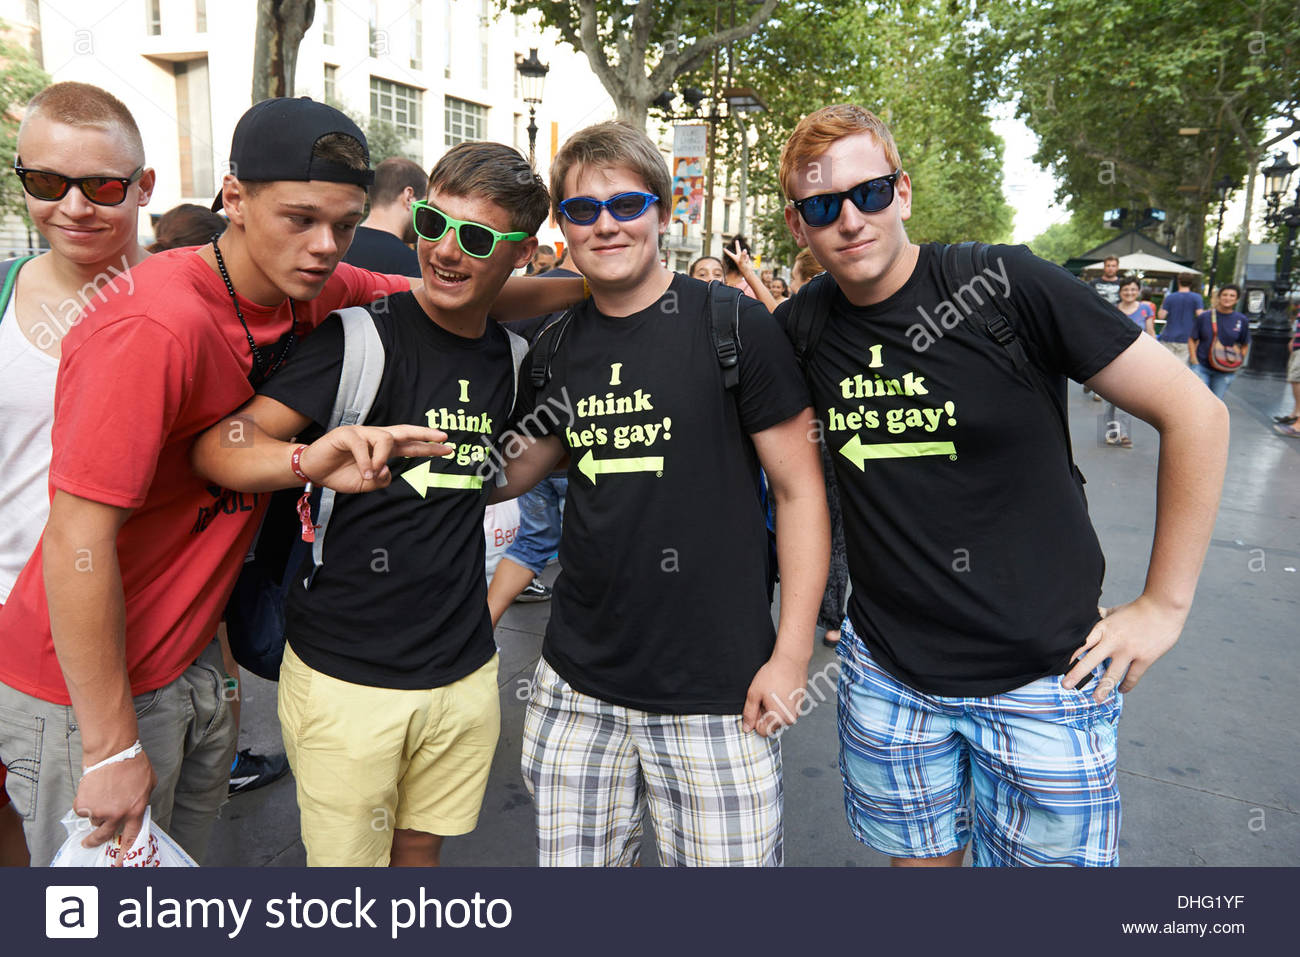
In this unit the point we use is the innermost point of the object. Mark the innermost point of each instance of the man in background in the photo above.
(1179, 310)
(1107, 284)
(543, 261)
(383, 240)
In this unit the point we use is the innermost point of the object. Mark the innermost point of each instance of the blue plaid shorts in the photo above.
(1030, 773)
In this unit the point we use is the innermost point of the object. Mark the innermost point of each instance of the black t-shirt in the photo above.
(530, 329)
(662, 602)
(401, 601)
(1108, 289)
(381, 251)
(974, 564)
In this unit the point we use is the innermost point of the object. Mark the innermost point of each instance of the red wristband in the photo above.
(295, 463)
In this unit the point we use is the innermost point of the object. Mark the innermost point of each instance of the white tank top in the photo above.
(27, 378)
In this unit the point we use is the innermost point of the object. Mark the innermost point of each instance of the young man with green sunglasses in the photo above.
(392, 633)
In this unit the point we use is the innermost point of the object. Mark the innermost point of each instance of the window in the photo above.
(417, 39)
(200, 16)
(521, 133)
(153, 9)
(328, 31)
(194, 113)
(464, 121)
(331, 83)
(396, 104)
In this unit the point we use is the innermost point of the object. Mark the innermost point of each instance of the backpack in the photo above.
(8, 276)
(724, 332)
(255, 618)
(960, 264)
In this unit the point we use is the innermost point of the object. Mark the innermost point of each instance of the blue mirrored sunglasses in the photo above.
(584, 210)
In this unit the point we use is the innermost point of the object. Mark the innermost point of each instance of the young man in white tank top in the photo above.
(81, 160)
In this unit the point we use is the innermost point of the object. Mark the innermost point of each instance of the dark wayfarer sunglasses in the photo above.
(870, 197)
(51, 187)
(583, 210)
(474, 239)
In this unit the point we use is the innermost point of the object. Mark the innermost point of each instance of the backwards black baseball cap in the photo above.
(275, 138)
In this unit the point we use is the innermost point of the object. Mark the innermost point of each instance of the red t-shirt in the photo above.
(142, 375)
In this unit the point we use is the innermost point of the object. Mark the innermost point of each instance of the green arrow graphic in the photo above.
(591, 466)
(857, 453)
(423, 478)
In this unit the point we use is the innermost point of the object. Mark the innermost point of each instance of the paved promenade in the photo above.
(1208, 743)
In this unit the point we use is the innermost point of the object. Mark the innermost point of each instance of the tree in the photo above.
(637, 48)
(1062, 241)
(281, 25)
(1227, 261)
(21, 78)
(1107, 87)
(908, 61)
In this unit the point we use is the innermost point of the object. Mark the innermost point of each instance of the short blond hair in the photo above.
(80, 104)
(817, 131)
(611, 145)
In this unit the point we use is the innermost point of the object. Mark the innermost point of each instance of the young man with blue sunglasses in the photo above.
(662, 684)
(973, 625)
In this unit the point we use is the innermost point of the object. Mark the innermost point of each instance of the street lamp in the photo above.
(742, 100)
(1268, 354)
(532, 72)
(1222, 186)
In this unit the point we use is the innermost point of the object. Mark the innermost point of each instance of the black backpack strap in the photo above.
(960, 265)
(724, 329)
(809, 309)
(545, 348)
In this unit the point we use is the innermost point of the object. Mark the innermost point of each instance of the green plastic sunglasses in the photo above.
(475, 239)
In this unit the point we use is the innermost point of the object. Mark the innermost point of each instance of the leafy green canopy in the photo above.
(20, 79)
(909, 61)
(1107, 85)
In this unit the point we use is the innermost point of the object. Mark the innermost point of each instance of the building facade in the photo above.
(425, 73)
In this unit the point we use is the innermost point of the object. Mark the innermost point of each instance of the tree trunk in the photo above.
(281, 25)
(632, 110)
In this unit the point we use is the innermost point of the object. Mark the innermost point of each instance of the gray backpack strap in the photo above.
(518, 349)
(363, 367)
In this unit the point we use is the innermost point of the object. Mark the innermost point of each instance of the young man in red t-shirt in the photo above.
(115, 613)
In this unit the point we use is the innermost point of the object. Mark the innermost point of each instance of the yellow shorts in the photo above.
(370, 759)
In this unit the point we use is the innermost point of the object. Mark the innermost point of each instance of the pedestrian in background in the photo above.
(1179, 311)
(1143, 314)
(706, 269)
(1226, 326)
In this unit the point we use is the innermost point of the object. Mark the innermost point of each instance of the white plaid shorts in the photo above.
(713, 790)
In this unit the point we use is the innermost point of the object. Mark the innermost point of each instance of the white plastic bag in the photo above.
(152, 847)
(500, 526)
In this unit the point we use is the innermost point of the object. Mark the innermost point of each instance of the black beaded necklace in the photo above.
(258, 364)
